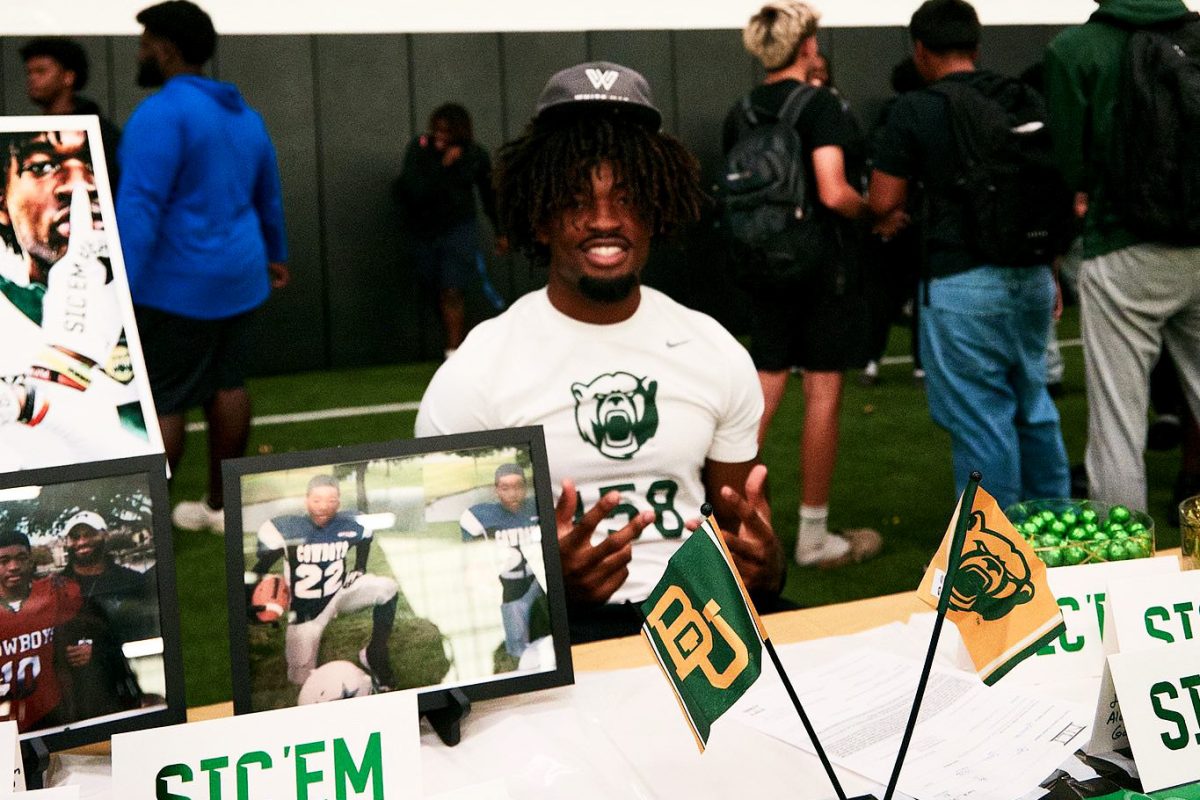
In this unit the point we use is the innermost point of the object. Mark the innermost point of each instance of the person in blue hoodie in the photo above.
(200, 215)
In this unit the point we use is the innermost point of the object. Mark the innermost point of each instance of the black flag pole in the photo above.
(952, 559)
(706, 511)
(808, 728)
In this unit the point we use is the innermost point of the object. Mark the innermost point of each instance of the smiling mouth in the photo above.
(606, 254)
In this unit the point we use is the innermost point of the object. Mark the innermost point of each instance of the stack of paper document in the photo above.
(972, 742)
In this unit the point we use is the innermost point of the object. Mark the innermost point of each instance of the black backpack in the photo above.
(1152, 172)
(1014, 202)
(763, 190)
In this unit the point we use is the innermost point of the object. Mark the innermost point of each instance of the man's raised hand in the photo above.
(754, 545)
(593, 572)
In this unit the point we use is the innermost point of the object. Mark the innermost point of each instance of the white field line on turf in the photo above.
(396, 408)
(317, 416)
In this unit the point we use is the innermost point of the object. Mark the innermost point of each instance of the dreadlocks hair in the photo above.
(12, 145)
(543, 173)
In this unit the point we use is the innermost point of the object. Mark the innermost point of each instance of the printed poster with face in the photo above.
(73, 384)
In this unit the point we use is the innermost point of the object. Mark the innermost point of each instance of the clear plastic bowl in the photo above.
(1135, 538)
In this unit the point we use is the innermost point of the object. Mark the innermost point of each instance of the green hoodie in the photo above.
(1083, 65)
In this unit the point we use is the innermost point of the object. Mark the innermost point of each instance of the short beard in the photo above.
(607, 290)
(149, 76)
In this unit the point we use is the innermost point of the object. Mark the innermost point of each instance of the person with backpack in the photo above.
(1124, 94)
(793, 159)
(992, 221)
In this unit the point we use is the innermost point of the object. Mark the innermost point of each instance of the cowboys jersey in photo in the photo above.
(510, 531)
(315, 565)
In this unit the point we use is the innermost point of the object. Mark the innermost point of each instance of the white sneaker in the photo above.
(852, 546)
(195, 515)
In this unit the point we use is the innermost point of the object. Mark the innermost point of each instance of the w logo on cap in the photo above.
(602, 80)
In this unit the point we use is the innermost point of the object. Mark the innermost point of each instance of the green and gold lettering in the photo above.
(213, 767)
(1180, 739)
(306, 777)
(162, 791)
(661, 497)
(1158, 633)
(257, 757)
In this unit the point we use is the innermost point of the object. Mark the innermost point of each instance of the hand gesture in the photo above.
(80, 653)
(279, 274)
(593, 572)
(80, 313)
(754, 546)
(887, 227)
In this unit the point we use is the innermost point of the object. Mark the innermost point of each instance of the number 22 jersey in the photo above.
(316, 557)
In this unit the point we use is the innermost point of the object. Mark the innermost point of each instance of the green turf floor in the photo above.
(893, 474)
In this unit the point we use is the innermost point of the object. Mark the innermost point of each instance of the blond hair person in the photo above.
(804, 321)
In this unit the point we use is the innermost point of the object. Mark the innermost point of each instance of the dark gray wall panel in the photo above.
(363, 134)
(529, 60)
(711, 73)
(648, 52)
(1012, 48)
(124, 92)
(275, 76)
(461, 68)
(862, 61)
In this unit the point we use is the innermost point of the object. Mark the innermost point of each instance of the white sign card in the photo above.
(490, 790)
(1159, 693)
(1142, 615)
(56, 793)
(366, 747)
(1148, 614)
(10, 758)
(1082, 593)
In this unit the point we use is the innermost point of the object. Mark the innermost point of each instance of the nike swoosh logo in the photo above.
(676, 344)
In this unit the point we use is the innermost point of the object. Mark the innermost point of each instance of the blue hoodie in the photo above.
(199, 208)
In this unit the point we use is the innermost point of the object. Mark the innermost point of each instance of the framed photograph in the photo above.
(424, 563)
(73, 384)
(89, 626)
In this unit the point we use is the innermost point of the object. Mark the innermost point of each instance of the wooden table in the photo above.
(788, 626)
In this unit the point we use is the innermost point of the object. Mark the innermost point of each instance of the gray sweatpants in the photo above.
(1133, 301)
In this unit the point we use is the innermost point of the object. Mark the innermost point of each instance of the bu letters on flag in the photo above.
(1000, 599)
(703, 630)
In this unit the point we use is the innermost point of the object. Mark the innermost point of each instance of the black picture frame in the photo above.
(238, 473)
(148, 471)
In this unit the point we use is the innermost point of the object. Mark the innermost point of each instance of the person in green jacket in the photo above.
(1135, 295)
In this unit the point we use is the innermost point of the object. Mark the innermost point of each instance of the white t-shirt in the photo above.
(637, 406)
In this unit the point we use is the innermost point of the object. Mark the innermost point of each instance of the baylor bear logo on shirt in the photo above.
(615, 413)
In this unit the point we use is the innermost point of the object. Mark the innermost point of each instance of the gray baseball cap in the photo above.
(599, 84)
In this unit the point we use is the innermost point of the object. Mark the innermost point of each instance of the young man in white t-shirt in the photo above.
(649, 408)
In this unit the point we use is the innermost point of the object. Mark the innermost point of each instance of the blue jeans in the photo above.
(983, 345)
(515, 614)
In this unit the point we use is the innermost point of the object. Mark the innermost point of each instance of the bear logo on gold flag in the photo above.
(999, 597)
(993, 576)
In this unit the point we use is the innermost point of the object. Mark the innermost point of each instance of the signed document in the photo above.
(972, 742)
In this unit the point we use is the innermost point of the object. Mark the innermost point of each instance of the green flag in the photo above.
(704, 630)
